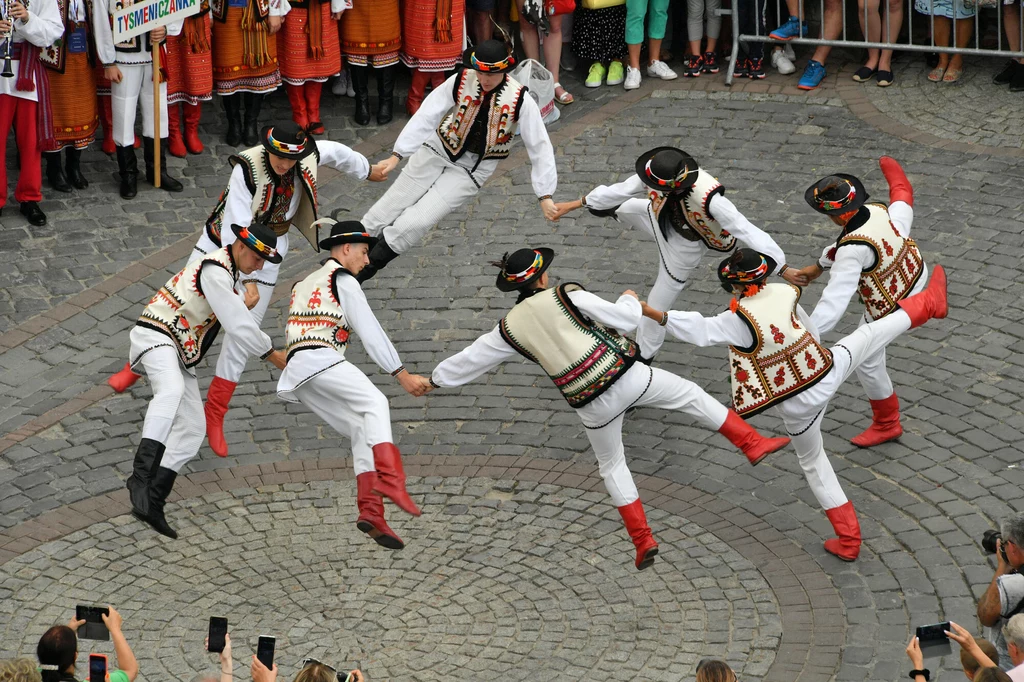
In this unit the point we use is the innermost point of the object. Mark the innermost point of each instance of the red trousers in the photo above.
(22, 113)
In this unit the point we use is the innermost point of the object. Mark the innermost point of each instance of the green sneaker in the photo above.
(595, 76)
(616, 74)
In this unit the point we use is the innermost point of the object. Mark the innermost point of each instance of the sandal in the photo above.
(952, 75)
(884, 79)
(565, 97)
(936, 74)
(864, 74)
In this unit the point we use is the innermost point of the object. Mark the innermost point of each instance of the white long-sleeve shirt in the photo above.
(490, 350)
(103, 33)
(422, 129)
(238, 205)
(845, 270)
(725, 329)
(41, 29)
(360, 318)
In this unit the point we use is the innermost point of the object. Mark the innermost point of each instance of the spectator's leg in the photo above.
(940, 35)
(481, 26)
(891, 26)
(1011, 26)
(831, 28)
(714, 23)
(531, 40)
(657, 20)
(695, 24)
(553, 50)
(964, 32)
(636, 10)
(872, 29)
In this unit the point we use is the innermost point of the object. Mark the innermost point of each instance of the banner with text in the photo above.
(145, 15)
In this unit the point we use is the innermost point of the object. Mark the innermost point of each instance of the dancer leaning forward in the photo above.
(170, 338)
(775, 358)
(571, 333)
(325, 309)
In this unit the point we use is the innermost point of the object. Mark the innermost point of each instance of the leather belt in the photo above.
(280, 229)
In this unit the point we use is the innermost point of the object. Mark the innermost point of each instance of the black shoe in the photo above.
(1017, 82)
(233, 109)
(385, 95)
(251, 127)
(31, 210)
(167, 183)
(73, 169)
(147, 458)
(932, 60)
(742, 68)
(755, 68)
(380, 255)
(128, 168)
(360, 83)
(55, 172)
(1006, 75)
(160, 486)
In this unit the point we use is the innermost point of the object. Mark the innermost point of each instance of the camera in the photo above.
(988, 542)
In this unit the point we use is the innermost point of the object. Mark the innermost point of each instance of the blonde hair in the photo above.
(713, 670)
(19, 670)
(316, 672)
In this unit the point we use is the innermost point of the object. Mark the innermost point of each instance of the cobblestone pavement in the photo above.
(66, 444)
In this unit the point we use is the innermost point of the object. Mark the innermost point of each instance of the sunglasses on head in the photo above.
(342, 676)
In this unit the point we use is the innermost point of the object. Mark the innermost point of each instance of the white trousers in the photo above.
(175, 414)
(650, 336)
(349, 402)
(136, 86)
(640, 386)
(425, 192)
(232, 358)
(802, 414)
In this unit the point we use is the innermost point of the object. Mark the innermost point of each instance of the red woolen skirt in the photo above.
(297, 62)
(371, 33)
(431, 42)
(73, 102)
(231, 73)
(190, 62)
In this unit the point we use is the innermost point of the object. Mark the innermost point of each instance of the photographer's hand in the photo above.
(990, 606)
(356, 676)
(965, 639)
(914, 653)
(260, 672)
(1002, 566)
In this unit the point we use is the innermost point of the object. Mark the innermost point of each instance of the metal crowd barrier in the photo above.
(782, 12)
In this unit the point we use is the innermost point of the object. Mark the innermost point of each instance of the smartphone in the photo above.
(265, 651)
(94, 627)
(933, 640)
(218, 630)
(97, 668)
(349, 677)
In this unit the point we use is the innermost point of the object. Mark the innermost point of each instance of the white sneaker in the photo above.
(632, 78)
(660, 70)
(783, 63)
(787, 50)
(340, 85)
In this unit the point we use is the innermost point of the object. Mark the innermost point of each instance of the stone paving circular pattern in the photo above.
(500, 580)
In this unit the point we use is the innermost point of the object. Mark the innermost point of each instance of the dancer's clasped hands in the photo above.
(414, 384)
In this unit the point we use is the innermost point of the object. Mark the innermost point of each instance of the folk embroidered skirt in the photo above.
(190, 62)
(231, 73)
(297, 62)
(432, 34)
(73, 103)
(371, 33)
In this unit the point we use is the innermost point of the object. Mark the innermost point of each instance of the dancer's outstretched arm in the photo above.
(483, 355)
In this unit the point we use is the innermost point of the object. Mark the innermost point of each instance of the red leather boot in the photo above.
(175, 145)
(217, 398)
(844, 522)
(391, 478)
(436, 79)
(371, 513)
(741, 434)
(297, 98)
(313, 90)
(416, 88)
(885, 423)
(193, 112)
(640, 533)
(107, 121)
(124, 379)
(899, 186)
(929, 303)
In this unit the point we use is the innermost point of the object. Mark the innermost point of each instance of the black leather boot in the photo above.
(73, 169)
(55, 172)
(361, 84)
(380, 255)
(167, 183)
(160, 486)
(233, 109)
(128, 167)
(251, 130)
(385, 94)
(147, 458)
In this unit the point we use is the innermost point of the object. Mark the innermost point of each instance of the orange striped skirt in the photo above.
(420, 47)
(190, 62)
(230, 74)
(74, 103)
(297, 65)
(371, 33)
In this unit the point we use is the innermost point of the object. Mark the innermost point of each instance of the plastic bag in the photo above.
(541, 84)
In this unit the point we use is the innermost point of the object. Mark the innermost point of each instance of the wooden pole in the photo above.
(156, 115)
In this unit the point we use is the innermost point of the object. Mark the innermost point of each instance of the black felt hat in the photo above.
(287, 140)
(345, 232)
(523, 267)
(490, 56)
(836, 194)
(745, 266)
(260, 238)
(667, 169)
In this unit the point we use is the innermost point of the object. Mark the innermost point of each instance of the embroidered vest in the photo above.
(784, 360)
(266, 201)
(315, 317)
(180, 309)
(219, 9)
(582, 357)
(502, 117)
(690, 216)
(898, 263)
(54, 56)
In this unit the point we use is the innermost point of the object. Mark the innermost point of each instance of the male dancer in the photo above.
(571, 334)
(456, 139)
(684, 208)
(326, 308)
(775, 359)
(174, 332)
(875, 257)
(275, 183)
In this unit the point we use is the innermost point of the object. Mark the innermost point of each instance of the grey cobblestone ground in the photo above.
(923, 501)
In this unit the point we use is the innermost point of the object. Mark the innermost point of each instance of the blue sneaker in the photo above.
(789, 30)
(813, 75)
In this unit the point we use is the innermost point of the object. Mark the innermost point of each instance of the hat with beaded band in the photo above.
(287, 140)
(260, 238)
(523, 268)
